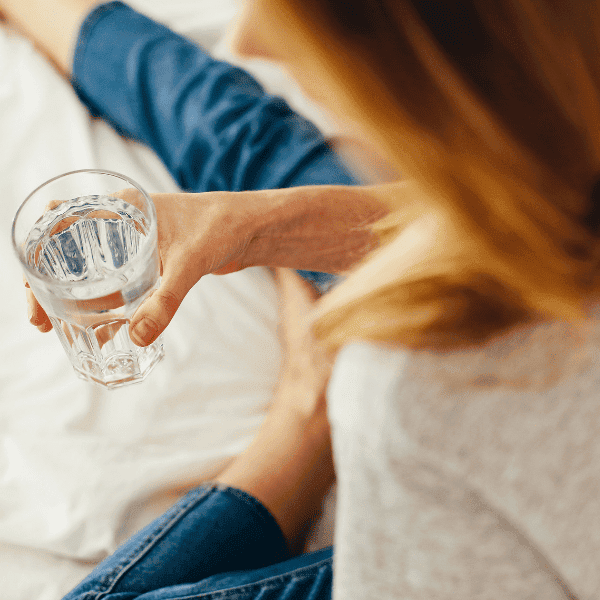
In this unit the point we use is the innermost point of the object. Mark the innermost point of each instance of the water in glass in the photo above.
(89, 244)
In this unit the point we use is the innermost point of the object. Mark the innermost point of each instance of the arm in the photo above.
(52, 26)
(321, 228)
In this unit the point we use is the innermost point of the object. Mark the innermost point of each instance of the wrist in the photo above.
(315, 228)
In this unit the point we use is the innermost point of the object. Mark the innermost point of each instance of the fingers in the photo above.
(153, 316)
(36, 314)
(293, 285)
(306, 366)
(297, 300)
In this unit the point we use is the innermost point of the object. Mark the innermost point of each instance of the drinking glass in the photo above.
(87, 241)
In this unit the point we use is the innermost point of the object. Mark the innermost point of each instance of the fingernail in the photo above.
(145, 332)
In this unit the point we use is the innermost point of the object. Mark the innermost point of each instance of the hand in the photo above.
(306, 365)
(197, 234)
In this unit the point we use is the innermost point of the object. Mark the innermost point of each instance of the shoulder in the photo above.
(527, 360)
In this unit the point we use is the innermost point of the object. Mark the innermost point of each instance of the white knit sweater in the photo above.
(471, 474)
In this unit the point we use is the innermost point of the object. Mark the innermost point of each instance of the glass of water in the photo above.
(87, 241)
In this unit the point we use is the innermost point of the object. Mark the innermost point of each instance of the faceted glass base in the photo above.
(104, 354)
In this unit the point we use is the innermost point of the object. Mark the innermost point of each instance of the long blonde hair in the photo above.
(495, 126)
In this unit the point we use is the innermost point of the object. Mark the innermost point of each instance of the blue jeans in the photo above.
(216, 542)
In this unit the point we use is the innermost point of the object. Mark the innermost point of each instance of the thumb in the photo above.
(153, 316)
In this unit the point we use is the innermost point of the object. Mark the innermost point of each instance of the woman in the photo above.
(463, 399)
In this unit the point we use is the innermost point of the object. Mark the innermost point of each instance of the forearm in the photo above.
(53, 26)
(319, 228)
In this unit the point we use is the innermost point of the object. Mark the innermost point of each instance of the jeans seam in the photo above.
(113, 577)
(268, 583)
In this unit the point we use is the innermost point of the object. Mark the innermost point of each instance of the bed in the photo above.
(82, 468)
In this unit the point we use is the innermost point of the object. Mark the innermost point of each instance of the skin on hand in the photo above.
(36, 314)
(197, 234)
(306, 364)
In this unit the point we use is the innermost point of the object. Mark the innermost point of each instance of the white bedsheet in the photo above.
(82, 468)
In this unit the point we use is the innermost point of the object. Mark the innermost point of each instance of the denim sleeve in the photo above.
(211, 123)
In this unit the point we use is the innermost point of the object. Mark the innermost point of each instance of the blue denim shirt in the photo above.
(211, 123)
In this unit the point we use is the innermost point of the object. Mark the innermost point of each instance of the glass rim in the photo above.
(139, 257)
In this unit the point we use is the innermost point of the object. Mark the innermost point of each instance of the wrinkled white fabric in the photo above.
(81, 468)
